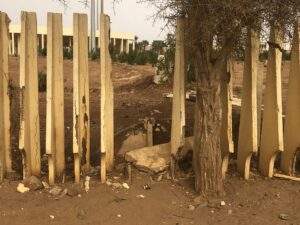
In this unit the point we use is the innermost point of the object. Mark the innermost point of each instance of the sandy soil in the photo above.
(257, 201)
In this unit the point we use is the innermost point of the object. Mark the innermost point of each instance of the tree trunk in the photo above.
(207, 159)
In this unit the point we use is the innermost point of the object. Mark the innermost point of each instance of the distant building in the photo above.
(122, 42)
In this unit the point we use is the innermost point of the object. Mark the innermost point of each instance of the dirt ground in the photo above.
(256, 201)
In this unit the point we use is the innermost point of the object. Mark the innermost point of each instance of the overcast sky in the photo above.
(127, 16)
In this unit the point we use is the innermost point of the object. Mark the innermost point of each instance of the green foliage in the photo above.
(286, 55)
(68, 53)
(42, 79)
(42, 51)
(94, 54)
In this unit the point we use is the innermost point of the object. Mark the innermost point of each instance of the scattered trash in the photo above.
(140, 196)
(22, 189)
(283, 216)
(87, 184)
(125, 185)
(51, 217)
(146, 187)
(223, 203)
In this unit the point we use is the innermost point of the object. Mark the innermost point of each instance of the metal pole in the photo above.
(102, 6)
(92, 35)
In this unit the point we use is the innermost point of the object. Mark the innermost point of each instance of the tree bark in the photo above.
(207, 160)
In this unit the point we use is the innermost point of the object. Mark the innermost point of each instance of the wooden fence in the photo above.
(273, 140)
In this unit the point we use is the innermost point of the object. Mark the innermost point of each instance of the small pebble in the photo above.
(283, 216)
(51, 217)
(125, 185)
(223, 203)
(191, 207)
(119, 215)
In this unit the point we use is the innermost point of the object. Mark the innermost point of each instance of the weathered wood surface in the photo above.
(29, 138)
(292, 122)
(55, 136)
(247, 144)
(178, 104)
(5, 149)
(107, 99)
(272, 124)
(81, 115)
(226, 142)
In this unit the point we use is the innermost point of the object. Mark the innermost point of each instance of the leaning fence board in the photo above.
(178, 104)
(29, 138)
(5, 157)
(226, 128)
(55, 141)
(292, 122)
(272, 127)
(81, 117)
(247, 144)
(107, 100)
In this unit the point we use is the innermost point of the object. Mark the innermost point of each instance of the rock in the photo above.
(119, 215)
(283, 216)
(117, 185)
(125, 185)
(45, 184)
(191, 207)
(56, 190)
(87, 184)
(140, 196)
(81, 214)
(108, 183)
(51, 217)
(222, 203)
(150, 159)
(22, 189)
(133, 141)
(33, 183)
(74, 191)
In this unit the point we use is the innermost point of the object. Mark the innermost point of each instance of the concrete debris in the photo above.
(133, 141)
(33, 183)
(56, 190)
(125, 185)
(22, 189)
(87, 184)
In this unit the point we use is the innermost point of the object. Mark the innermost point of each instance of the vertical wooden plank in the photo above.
(247, 144)
(272, 127)
(107, 100)
(81, 117)
(178, 105)
(292, 122)
(5, 149)
(29, 142)
(55, 143)
(226, 141)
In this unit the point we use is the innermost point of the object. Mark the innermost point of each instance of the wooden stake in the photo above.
(107, 99)
(286, 177)
(81, 116)
(247, 144)
(227, 145)
(272, 127)
(5, 149)
(292, 122)
(29, 142)
(178, 106)
(55, 141)
(149, 133)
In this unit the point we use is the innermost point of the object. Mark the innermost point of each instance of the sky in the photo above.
(126, 16)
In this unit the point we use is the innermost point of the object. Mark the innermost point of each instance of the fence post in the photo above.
(5, 149)
(272, 127)
(226, 142)
(55, 136)
(107, 100)
(292, 121)
(29, 138)
(81, 116)
(178, 105)
(247, 144)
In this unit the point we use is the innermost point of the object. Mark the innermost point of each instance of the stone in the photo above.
(116, 185)
(45, 184)
(222, 203)
(283, 216)
(87, 183)
(125, 185)
(51, 217)
(33, 183)
(56, 190)
(191, 207)
(133, 141)
(22, 189)
(140, 196)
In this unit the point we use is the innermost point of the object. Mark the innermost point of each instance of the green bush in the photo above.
(68, 53)
(42, 51)
(94, 54)
(141, 58)
(42, 79)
